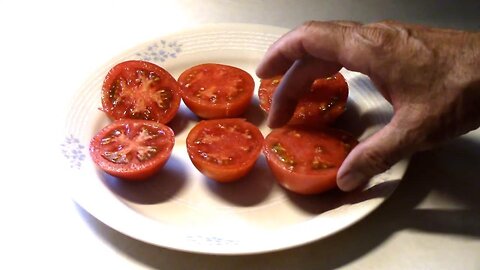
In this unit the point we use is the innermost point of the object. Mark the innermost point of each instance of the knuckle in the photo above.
(346, 23)
(378, 42)
(382, 36)
(375, 37)
(309, 27)
(309, 24)
(387, 22)
(306, 32)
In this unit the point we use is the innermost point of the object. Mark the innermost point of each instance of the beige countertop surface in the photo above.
(48, 49)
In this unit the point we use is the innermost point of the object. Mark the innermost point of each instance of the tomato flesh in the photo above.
(216, 91)
(224, 149)
(132, 149)
(321, 105)
(140, 90)
(306, 161)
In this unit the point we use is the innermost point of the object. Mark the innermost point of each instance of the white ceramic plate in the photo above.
(180, 208)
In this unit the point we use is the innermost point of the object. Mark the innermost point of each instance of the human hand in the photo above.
(430, 76)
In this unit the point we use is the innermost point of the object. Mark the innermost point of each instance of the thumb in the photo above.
(374, 155)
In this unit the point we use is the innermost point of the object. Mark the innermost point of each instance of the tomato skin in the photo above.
(320, 106)
(138, 89)
(306, 161)
(132, 135)
(265, 92)
(213, 91)
(232, 141)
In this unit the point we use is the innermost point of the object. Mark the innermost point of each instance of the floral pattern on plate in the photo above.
(160, 51)
(73, 151)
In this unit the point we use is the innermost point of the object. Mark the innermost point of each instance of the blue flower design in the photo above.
(212, 240)
(73, 151)
(160, 51)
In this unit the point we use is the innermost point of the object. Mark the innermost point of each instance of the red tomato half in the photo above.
(306, 161)
(140, 90)
(132, 149)
(322, 105)
(216, 91)
(224, 149)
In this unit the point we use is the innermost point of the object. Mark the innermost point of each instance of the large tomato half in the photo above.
(216, 91)
(321, 105)
(306, 161)
(132, 149)
(224, 149)
(140, 90)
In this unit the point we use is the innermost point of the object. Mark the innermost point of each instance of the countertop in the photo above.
(49, 48)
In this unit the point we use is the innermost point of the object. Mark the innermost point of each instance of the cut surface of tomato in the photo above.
(216, 91)
(321, 105)
(132, 149)
(140, 90)
(224, 149)
(306, 161)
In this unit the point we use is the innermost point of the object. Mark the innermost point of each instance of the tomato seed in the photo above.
(248, 134)
(213, 99)
(146, 153)
(318, 149)
(295, 133)
(116, 157)
(106, 140)
(281, 153)
(223, 161)
(318, 165)
(246, 148)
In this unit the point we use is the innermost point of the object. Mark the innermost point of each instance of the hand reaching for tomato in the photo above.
(430, 76)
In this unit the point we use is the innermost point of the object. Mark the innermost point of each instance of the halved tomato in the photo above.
(306, 161)
(216, 91)
(320, 106)
(140, 90)
(132, 149)
(224, 149)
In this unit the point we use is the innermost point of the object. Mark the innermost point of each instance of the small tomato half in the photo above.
(214, 91)
(224, 149)
(132, 149)
(306, 161)
(324, 102)
(140, 90)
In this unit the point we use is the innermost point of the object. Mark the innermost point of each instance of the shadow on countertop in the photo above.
(452, 169)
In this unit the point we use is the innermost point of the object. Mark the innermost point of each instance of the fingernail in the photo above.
(351, 181)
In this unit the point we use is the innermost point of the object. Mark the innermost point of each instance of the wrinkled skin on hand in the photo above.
(430, 76)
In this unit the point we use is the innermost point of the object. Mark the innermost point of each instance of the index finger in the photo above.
(335, 42)
(296, 81)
